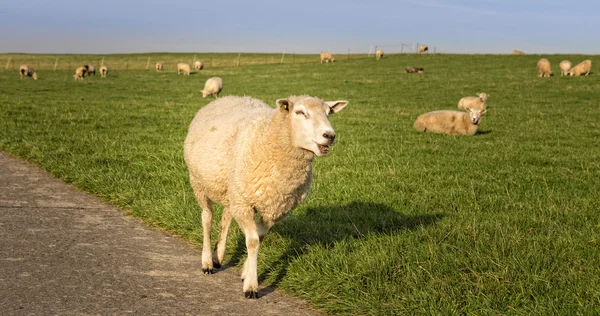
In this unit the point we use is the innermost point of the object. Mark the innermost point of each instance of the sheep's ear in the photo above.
(284, 104)
(337, 106)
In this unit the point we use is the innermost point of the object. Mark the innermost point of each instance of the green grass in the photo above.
(504, 222)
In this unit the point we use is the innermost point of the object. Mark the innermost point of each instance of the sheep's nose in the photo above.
(330, 136)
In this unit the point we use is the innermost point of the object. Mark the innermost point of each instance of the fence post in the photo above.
(8, 63)
(102, 62)
(148, 63)
(282, 57)
(348, 54)
(238, 60)
(55, 64)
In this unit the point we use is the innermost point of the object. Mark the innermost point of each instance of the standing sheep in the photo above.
(80, 73)
(327, 57)
(583, 68)
(103, 71)
(378, 54)
(212, 87)
(423, 48)
(158, 67)
(255, 161)
(26, 70)
(565, 65)
(544, 68)
(90, 70)
(518, 52)
(479, 102)
(183, 67)
(450, 122)
(198, 65)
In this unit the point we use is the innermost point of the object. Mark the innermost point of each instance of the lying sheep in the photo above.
(378, 54)
(158, 67)
(450, 122)
(479, 102)
(26, 70)
(411, 70)
(183, 67)
(327, 57)
(423, 48)
(544, 69)
(91, 70)
(103, 71)
(518, 52)
(255, 161)
(565, 66)
(80, 73)
(583, 68)
(198, 65)
(212, 87)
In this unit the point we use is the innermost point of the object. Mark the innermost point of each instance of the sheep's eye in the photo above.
(301, 113)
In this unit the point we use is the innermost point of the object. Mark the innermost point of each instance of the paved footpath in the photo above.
(65, 252)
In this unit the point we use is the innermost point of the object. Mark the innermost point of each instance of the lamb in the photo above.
(26, 70)
(183, 67)
(378, 54)
(212, 87)
(198, 65)
(423, 48)
(583, 68)
(410, 70)
(103, 71)
(254, 160)
(450, 122)
(90, 69)
(325, 56)
(518, 52)
(565, 65)
(479, 102)
(158, 67)
(80, 73)
(544, 69)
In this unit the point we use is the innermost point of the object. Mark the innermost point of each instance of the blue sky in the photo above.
(456, 26)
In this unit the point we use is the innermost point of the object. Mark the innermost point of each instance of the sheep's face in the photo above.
(310, 126)
(34, 76)
(475, 115)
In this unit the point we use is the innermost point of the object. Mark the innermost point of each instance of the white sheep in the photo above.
(518, 52)
(583, 68)
(327, 57)
(450, 122)
(90, 69)
(158, 67)
(103, 71)
(212, 86)
(80, 73)
(254, 160)
(183, 67)
(423, 48)
(565, 66)
(478, 102)
(544, 68)
(378, 54)
(198, 65)
(26, 70)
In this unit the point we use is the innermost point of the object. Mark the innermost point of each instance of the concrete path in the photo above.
(65, 252)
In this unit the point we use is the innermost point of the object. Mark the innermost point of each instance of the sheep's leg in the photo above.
(206, 205)
(222, 242)
(249, 272)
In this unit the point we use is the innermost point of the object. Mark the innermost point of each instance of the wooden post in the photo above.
(348, 54)
(281, 62)
(102, 62)
(238, 60)
(148, 63)
(8, 63)
(55, 64)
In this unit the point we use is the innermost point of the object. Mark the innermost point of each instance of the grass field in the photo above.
(504, 222)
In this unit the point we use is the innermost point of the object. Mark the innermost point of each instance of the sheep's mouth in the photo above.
(324, 149)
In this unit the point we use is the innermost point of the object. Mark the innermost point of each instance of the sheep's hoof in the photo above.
(251, 294)
(216, 265)
(207, 271)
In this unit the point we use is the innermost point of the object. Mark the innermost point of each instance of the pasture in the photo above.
(503, 222)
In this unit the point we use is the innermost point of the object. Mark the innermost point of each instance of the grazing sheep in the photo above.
(255, 161)
(544, 69)
(183, 67)
(518, 52)
(583, 68)
(327, 57)
(103, 71)
(450, 122)
(198, 65)
(212, 87)
(90, 70)
(423, 48)
(158, 67)
(26, 70)
(80, 73)
(479, 102)
(410, 70)
(565, 65)
(378, 54)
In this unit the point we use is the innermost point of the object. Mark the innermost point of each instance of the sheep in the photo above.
(80, 73)
(413, 70)
(254, 160)
(26, 70)
(103, 71)
(212, 87)
(423, 48)
(378, 54)
(183, 67)
(91, 70)
(544, 69)
(518, 52)
(158, 67)
(450, 122)
(327, 57)
(198, 65)
(478, 102)
(565, 65)
(583, 68)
